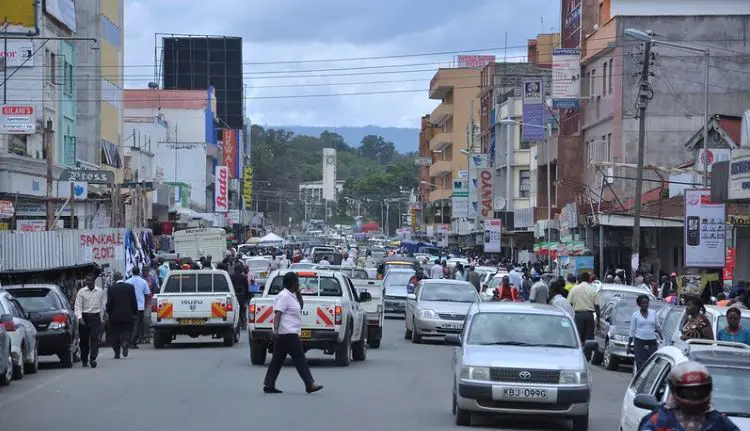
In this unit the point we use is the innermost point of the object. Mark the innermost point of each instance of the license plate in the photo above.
(525, 394)
(193, 322)
(305, 334)
(448, 325)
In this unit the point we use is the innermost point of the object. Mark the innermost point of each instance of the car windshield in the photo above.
(722, 322)
(400, 278)
(302, 266)
(377, 253)
(607, 295)
(257, 264)
(448, 292)
(196, 283)
(310, 286)
(671, 322)
(519, 329)
(623, 313)
(36, 300)
(731, 390)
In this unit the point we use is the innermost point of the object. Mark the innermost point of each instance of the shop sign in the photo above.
(705, 245)
(739, 174)
(485, 193)
(6, 209)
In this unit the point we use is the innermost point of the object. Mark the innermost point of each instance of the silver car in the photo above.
(437, 308)
(396, 283)
(520, 359)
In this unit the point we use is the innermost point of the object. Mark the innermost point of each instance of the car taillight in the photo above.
(9, 326)
(154, 306)
(337, 314)
(229, 305)
(251, 313)
(59, 321)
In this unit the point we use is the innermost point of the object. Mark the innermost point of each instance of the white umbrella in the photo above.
(271, 239)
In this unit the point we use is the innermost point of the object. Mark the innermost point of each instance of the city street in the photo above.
(202, 385)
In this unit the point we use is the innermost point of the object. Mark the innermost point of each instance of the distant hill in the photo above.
(405, 139)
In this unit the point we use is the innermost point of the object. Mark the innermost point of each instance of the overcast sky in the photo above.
(293, 30)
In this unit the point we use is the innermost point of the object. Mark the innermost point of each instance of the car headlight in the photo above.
(574, 377)
(620, 338)
(427, 314)
(475, 373)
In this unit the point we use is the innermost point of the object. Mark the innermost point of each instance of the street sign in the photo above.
(91, 177)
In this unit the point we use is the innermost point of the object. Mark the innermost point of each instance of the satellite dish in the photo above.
(498, 204)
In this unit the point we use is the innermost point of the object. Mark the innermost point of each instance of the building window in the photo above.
(609, 148)
(68, 79)
(524, 184)
(18, 144)
(111, 93)
(611, 67)
(587, 84)
(111, 33)
(604, 80)
(69, 150)
(593, 83)
(111, 154)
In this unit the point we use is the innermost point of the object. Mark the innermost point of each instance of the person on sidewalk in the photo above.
(141, 292)
(88, 308)
(585, 303)
(287, 324)
(122, 308)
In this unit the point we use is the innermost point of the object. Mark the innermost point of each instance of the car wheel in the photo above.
(7, 375)
(596, 357)
(229, 338)
(18, 366)
(159, 340)
(581, 423)
(67, 357)
(463, 417)
(610, 362)
(258, 353)
(416, 337)
(453, 406)
(343, 354)
(359, 349)
(33, 366)
(374, 343)
(407, 332)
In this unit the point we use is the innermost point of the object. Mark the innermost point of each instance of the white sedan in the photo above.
(23, 336)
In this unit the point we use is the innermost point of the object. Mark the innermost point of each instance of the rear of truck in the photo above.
(374, 309)
(195, 303)
(323, 314)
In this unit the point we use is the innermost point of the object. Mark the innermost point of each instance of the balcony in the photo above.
(439, 194)
(604, 37)
(441, 113)
(440, 141)
(541, 152)
(439, 88)
(440, 168)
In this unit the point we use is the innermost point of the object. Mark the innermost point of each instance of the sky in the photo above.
(300, 37)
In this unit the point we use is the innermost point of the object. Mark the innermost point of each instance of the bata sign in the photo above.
(485, 193)
(221, 201)
(17, 120)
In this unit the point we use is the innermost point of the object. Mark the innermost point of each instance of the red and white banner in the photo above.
(221, 191)
(485, 197)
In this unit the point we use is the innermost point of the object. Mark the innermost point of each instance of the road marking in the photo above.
(30, 391)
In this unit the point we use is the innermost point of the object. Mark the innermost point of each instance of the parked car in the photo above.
(23, 336)
(728, 363)
(6, 359)
(611, 334)
(520, 359)
(54, 319)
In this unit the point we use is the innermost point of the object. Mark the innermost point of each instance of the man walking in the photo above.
(584, 301)
(287, 323)
(240, 283)
(88, 308)
(141, 291)
(122, 307)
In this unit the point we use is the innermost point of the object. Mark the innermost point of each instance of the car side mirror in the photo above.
(453, 339)
(365, 296)
(646, 402)
(411, 297)
(6, 318)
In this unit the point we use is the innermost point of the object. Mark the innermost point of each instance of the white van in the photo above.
(195, 243)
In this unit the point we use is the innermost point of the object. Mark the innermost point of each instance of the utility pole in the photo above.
(280, 221)
(47, 134)
(645, 95)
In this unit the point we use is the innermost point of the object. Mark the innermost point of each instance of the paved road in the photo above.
(199, 386)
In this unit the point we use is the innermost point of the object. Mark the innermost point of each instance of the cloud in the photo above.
(295, 30)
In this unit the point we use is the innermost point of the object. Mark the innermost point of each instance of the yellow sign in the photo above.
(247, 185)
(414, 218)
(738, 220)
(21, 16)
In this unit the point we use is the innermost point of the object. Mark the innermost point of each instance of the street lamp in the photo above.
(651, 37)
(442, 216)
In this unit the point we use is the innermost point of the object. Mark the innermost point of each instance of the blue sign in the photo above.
(533, 110)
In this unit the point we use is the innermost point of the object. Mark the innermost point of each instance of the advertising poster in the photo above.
(533, 110)
(584, 264)
(221, 191)
(566, 78)
(21, 18)
(247, 186)
(493, 229)
(484, 196)
(230, 151)
(704, 230)
(460, 199)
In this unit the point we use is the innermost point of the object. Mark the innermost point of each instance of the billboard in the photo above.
(474, 60)
(17, 120)
(63, 11)
(704, 230)
(247, 186)
(533, 110)
(21, 17)
(484, 184)
(493, 230)
(739, 175)
(460, 199)
(566, 78)
(230, 151)
(221, 191)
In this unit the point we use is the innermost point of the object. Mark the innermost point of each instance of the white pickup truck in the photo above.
(332, 318)
(195, 303)
(373, 308)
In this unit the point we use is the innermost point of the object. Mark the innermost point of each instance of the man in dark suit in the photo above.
(122, 307)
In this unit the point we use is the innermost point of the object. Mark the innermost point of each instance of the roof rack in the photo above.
(715, 343)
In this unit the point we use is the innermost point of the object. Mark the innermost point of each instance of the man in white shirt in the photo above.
(284, 262)
(287, 323)
(436, 271)
(348, 261)
(141, 292)
(274, 264)
(89, 308)
(324, 262)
